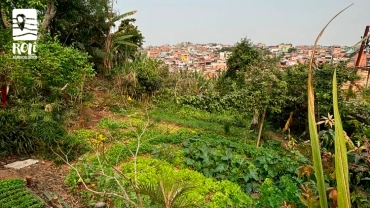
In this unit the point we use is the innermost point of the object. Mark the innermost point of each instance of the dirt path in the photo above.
(279, 138)
(47, 177)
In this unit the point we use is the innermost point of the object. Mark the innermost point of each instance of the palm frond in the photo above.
(121, 40)
(98, 52)
(173, 198)
(119, 37)
(124, 15)
(125, 43)
(151, 190)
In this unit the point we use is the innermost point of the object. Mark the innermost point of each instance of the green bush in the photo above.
(207, 191)
(220, 158)
(274, 193)
(110, 124)
(55, 80)
(27, 130)
(140, 77)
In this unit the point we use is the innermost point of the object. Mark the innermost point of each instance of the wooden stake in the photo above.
(29, 181)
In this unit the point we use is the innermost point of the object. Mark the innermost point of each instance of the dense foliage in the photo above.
(42, 96)
(209, 154)
(206, 191)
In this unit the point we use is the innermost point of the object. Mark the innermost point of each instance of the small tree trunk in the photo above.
(261, 126)
(29, 181)
(3, 89)
(49, 15)
(254, 122)
(108, 40)
(4, 18)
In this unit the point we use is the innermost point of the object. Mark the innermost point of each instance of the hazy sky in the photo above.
(267, 21)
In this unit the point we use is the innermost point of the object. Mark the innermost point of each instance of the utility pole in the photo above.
(357, 64)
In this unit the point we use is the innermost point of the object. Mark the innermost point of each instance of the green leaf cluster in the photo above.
(206, 192)
(241, 163)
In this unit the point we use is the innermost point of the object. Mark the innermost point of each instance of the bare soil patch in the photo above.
(47, 177)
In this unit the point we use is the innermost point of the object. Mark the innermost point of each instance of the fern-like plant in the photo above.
(168, 195)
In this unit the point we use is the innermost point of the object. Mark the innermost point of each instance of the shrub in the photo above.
(207, 191)
(55, 80)
(27, 130)
(273, 194)
(241, 163)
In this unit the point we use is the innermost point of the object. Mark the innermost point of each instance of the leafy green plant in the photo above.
(140, 78)
(27, 130)
(274, 193)
(13, 194)
(111, 124)
(167, 195)
(241, 163)
(359, 173)
(44, 94)
(205, 191)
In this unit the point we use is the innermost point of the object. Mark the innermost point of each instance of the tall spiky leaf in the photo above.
(341, 163)
(315, 145)
(316, 154)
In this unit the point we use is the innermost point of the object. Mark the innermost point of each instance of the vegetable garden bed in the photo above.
(14, 194)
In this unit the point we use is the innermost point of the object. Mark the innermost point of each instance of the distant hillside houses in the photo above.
(210, 59)
(205, 58)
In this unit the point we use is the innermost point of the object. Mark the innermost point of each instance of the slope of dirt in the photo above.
(279, 138)
(46, 175)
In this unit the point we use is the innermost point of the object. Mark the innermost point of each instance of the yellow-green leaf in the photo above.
(316, 154)
(341, 163)
(315, 145)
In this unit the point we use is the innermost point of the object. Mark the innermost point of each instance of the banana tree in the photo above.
(112, 18)
(119, 39)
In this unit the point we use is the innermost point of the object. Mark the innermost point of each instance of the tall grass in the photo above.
(341, 165)
(341, 162)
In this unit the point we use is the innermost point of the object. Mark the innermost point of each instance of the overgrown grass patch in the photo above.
(199, 119)
(205, 142)
(111, 124)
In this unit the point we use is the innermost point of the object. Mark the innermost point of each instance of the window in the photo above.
(368, 62)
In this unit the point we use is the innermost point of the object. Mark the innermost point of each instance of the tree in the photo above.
(127, 28)
(244, 55)
(81, 23)
(226, 49)
(266, 51)
(87, 25)
(6, 8)
(296, 77)
(290, 50)
(264, 91)
(112, 18)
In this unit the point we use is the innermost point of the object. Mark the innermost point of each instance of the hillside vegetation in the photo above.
(136, 135)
